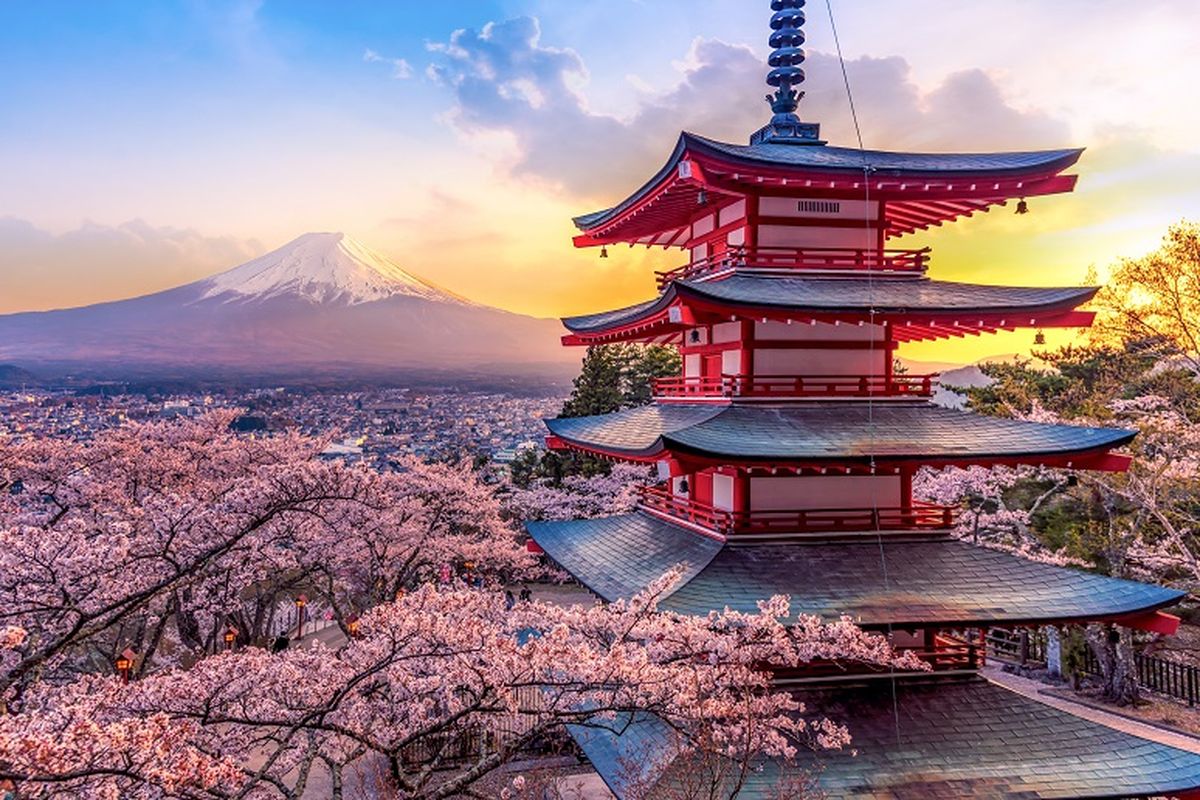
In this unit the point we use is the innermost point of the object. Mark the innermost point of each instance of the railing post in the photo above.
(1024, 647)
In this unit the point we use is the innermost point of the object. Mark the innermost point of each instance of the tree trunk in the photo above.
(1113, 646)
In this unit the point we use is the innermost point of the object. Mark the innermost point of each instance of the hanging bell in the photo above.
(603, 252)
(702, 198)
(1039, 338)
(1022, 206)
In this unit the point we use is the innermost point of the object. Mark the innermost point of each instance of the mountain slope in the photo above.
(322, 302)
(321, 268)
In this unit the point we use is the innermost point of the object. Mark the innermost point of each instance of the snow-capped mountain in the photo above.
(320, 304)
(321, 268)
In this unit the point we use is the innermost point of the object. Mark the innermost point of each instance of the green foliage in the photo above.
(612, 377)
(524, 468)
(617, 376)
(1082, 381)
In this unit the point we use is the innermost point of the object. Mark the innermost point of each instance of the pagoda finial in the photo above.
(787, 54)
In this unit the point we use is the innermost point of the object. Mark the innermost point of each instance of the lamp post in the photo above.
(124, 664)
(230, 637)
(301, 601)
(352, 626)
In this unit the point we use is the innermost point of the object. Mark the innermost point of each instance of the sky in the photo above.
(145, 145)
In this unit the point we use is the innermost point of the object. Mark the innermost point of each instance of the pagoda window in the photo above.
(811, 209)
(818, 237)
(736, 237)
(723, 491)
(726, 332)
(853, 351)
(825, 492)
(731, 214)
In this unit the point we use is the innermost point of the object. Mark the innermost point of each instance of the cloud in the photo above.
(93, 263)
(505, 80)
(401, 69)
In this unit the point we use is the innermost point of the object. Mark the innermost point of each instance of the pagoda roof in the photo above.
(898, 300)
(961, 738)
(925, 582)
(831, 433)
(955, 184)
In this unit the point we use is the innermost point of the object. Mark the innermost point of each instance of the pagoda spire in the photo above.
(787, 56)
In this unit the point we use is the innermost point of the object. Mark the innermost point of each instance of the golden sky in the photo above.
(147, 147)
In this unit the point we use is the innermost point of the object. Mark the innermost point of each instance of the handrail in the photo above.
(920, 516)
(841, 259)
(788, 386)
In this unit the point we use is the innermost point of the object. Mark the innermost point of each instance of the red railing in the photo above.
(947, 654)
(814, 258)
(658, 499)
(789, 386)
(920, 517)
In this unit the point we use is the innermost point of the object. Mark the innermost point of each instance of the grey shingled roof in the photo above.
(827, 158)
(931, 582)
(844, 431)
(941, 739)
(915, 297)
(619, 556)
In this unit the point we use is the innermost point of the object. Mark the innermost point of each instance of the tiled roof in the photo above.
(848, 295)
(938, 739)
(825, 158)
(931, 582)
(619, 556)
(844, 431)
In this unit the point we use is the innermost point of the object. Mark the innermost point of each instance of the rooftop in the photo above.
(904, 302)
(931, 739)
(832, 432)
(929, 582)
(960, 183)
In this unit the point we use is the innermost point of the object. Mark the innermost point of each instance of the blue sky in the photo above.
(146, 144)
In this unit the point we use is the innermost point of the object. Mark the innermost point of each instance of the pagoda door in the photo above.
(711, 370)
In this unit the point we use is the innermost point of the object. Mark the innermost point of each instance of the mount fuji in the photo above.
(321, 305)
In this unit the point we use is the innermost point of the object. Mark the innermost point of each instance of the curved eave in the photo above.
(919, 187)
(913, 737)
(819, 435)
(937, 583)
(999, 308)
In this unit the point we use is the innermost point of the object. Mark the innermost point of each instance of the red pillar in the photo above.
(747, 350)
(889, 367)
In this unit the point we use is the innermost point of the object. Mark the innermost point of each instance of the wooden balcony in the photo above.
(786, 387)
(920, 517)
(835, 259)
(948, 654)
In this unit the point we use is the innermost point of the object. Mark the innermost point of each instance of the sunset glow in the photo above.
(146, 148)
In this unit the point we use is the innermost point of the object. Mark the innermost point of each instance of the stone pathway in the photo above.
(1033, 690)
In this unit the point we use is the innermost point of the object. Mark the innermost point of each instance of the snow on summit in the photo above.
(322, 268)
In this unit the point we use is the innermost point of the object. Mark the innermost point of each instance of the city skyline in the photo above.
(146, 148)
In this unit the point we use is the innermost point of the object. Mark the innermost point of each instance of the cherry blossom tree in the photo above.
(157, 537)
(1141, 523)
(434, 676)
(579, 496)
(988, 516)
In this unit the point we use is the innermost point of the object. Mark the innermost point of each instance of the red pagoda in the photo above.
(788, 445)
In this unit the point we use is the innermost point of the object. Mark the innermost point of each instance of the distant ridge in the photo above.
(321, 304)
